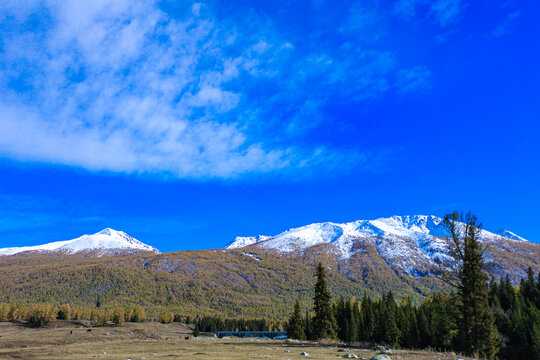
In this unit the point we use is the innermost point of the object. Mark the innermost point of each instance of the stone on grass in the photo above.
(351, 356)
(380, 357)
(304, 354)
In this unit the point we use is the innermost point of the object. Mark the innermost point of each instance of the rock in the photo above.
(388, 352)
(380, 348)
(380, 357)
(305, 354)
(287, 350)
(351, 356)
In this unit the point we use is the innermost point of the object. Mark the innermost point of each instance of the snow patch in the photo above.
(251, 255)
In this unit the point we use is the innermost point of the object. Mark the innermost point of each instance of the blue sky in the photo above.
(186, 124)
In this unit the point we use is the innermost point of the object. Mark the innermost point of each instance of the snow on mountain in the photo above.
(402, 241)
(107, 240)
(509, 235)
(241, 241)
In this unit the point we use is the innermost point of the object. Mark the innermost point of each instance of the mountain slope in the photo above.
(411, 244)
(248, 282)
(107, 241)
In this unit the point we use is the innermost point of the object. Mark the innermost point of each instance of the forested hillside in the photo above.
(241, 282)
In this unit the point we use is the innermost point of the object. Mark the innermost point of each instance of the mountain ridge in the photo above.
(410, 243)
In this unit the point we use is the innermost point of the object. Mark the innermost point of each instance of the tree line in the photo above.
(39, 315)
(479, 319)
(216, 323)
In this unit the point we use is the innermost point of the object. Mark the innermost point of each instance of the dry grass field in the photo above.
(71, 340)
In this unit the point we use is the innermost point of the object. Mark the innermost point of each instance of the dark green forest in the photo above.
(435, 323)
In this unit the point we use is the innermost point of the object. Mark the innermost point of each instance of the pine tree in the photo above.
(307, 327)
(477, 331)
(507, 294)
(296, 326)
(391, 332)
(324, 323)
(341, 319)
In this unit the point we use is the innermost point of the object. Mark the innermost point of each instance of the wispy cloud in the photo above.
(126, 87)
(506, 25)
(413, 79)
(444, 12)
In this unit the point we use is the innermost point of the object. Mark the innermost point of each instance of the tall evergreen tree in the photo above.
(324, 323)
(296, 326)
(389, 315)
(477, 331)
(308, 327)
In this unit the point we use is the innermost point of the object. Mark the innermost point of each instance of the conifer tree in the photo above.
(389, 314)
(308, 327)
(477, 331)
(296, 326)
(324, 323)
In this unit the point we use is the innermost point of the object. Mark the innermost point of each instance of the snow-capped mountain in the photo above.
(409, 243)
(105, 241)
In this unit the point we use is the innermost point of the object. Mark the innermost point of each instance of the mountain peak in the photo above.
(105, 241)
(107, 231)
(242, 241)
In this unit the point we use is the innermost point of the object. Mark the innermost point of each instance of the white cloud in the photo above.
(132, 109)
(122, 86)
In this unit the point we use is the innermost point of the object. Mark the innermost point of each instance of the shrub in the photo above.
(98, 316)
(16, 312)
(4, 312)
(138, 314)
(118, 316)
(166, 317)
(63, 312)
(40, 315)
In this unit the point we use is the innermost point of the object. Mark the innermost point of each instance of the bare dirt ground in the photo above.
(145, 341)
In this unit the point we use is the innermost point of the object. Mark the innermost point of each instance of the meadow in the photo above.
(153, 340)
